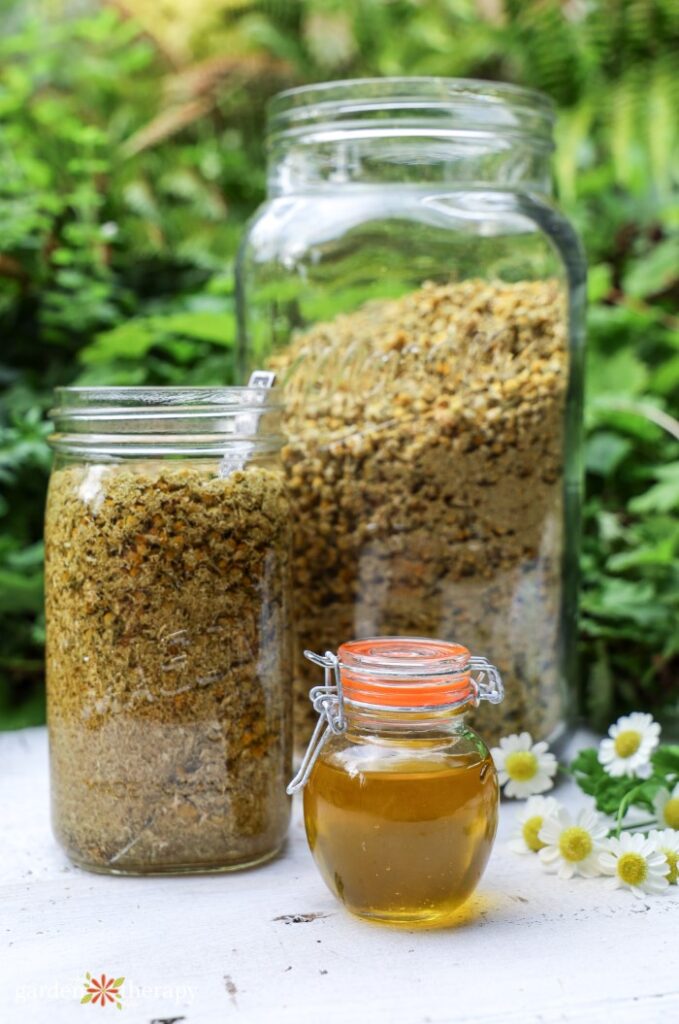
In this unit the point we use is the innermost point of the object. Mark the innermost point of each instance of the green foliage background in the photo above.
(131, 154)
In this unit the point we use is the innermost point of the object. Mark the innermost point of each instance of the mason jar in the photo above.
(420, 296)
(400, 795)
(167, 541)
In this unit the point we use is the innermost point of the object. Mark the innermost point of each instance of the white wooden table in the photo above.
(271, 945)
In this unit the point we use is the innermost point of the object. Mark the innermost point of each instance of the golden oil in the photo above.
(402, 832)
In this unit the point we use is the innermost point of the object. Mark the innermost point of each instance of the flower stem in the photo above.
(624, 805)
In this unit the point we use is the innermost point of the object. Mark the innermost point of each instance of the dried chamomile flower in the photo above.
(524, 768)
(573, 844)
(526, 837)
(667, 843)
(635, 863)
(630, 743)
(666, 807)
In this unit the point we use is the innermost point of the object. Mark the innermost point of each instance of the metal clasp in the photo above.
(487, 681)
(328, 701)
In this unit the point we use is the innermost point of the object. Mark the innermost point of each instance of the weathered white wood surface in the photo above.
(213, 949)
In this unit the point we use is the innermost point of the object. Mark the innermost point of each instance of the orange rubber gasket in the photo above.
(405, 672)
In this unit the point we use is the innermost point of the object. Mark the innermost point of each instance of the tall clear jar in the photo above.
(168, 629)
(421, 298)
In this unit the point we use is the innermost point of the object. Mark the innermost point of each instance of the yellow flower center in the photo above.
(627, 743)
(530, 833)
(575, 844)
(632, 868)
(671, 813)
(672, 869)
(521, 765)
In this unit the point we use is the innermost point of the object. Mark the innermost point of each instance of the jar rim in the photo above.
(405, 672)
(167, 420)
(455, 105)
(159, 395)
(403, 656)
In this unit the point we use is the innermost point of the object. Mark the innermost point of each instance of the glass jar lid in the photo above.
(406, 672)
(396, 674)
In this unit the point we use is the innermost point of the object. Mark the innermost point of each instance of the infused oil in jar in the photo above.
(400, 806)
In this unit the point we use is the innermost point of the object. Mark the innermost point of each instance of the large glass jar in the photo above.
(421, 299)
(168, 633)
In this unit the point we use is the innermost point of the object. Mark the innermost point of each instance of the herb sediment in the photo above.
(168, 664)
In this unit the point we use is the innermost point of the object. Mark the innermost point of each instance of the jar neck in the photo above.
(157, 421)
(419, 132)
(396, 722)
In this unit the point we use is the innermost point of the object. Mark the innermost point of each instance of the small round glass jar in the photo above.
(400, 797)
(168, 629)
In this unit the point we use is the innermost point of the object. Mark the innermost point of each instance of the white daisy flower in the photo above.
(667, 843)
(525, 767)
(572, 847)
(666, 806)
(525, 837)
(629, 746)
(635, 863)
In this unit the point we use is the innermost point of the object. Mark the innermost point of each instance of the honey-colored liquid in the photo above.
(402, 839)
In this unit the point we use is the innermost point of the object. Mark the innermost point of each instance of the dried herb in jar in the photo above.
(168, 661)
(425, 469)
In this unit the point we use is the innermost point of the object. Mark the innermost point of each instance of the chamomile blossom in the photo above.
(628, 748)
(635, 863)
(524, 768)
(572, 845)
(525, 838)
(666, 807)
(667, 843)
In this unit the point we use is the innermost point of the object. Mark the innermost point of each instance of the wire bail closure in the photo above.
(328, 701)
(488, 681)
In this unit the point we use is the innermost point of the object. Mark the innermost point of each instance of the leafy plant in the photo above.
(615, 795)
(131, 154)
